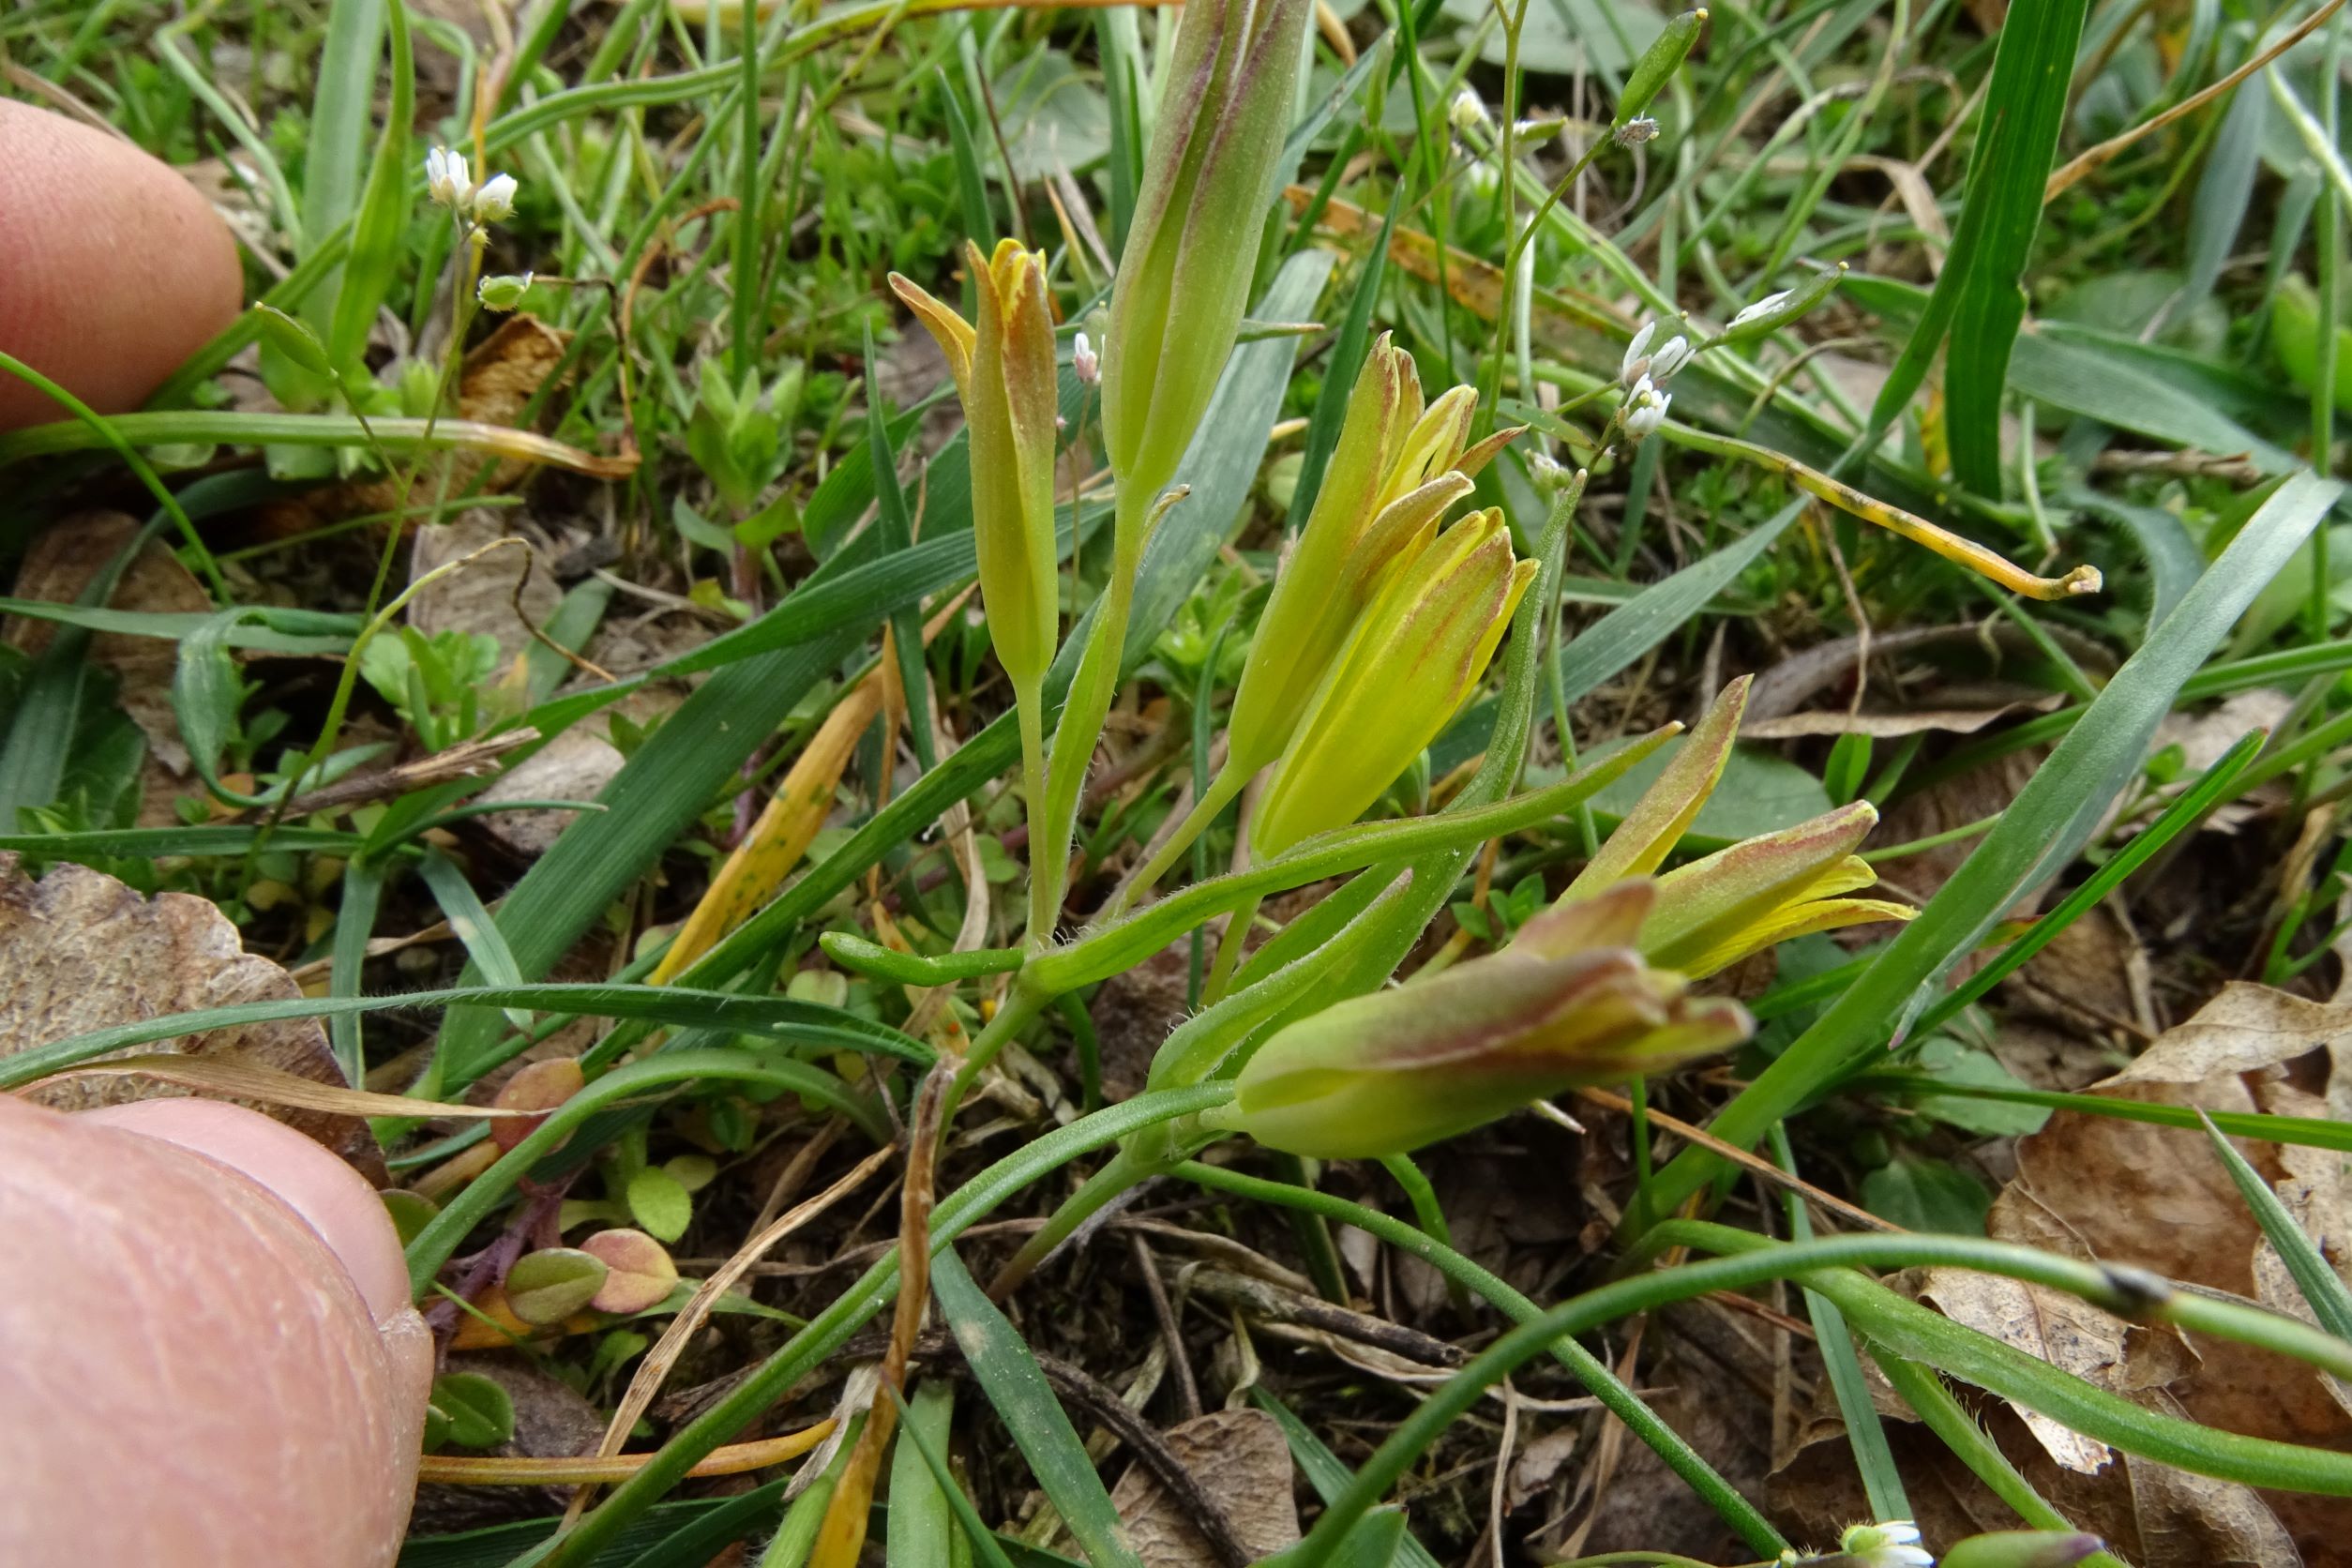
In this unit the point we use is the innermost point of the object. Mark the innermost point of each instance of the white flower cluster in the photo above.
(450, 184)
(1642, 373)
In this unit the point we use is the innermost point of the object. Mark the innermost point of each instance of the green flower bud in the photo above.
(1765, 890)
(1568, 1002)
(1393, 471)
(503, 291)
(1005, 372)
(1184, 274)
(1412, 660)
(1658, 64)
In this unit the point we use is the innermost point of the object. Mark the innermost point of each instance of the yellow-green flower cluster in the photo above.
(1592, 989)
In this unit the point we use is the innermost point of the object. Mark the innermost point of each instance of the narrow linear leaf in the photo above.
(1009, 1376)
(2322, 1287)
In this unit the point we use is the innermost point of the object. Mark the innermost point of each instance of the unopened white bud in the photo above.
(447, 180)
(494, 200)
(1672, 358)
(1636, 361)
(1468, 112)
(1085, 361)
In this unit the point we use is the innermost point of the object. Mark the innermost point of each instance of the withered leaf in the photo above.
(83, 952)
(1242, 1464)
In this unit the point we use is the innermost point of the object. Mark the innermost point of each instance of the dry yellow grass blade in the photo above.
(1477, 286)
(735, 1459)
(782, 836)
(786, 829)
(242, 1080)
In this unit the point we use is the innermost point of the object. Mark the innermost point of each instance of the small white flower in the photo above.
(1085, 361)
(1670, 358)
(447, 180)
(1633, 133)
(1636, 361)
(1644, 409)
(493, 199)
(1893, 1544)
(1762, 309)
(1468, 112)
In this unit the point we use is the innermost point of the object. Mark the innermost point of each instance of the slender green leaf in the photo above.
(1979, 297)
(780, 1017)
(2323, 1288)
(1001, 1364)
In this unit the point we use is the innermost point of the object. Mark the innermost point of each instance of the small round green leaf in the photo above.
(548, 1285)
(639, 1272)
(660, 1203)
(475, 1412)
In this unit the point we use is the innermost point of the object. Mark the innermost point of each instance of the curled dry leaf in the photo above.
(1242, 1462)
(83, 952)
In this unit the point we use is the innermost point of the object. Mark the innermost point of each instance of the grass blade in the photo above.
(1339, 377)
(916, 1436)
(2322, 1287)
(1979, 299)
(1328, 1474)
(1009, 1375)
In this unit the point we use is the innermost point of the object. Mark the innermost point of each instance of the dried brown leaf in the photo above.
(1242, 1463)
(83, 952)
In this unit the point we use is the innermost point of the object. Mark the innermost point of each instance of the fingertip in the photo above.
(329, 1195)
(113, 268)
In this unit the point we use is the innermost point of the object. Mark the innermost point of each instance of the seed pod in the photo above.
(1776, 311)
(1658, 64)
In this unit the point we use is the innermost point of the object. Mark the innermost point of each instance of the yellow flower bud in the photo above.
(1414, 658)
(1396, 468)
(1005, 374)
(1185, 274)
(1712, 912)
(1569, 1002)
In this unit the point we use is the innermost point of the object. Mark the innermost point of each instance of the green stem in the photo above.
(1229, 950)
(1827, 1266)
(1924, 1390)
(1119, 1174)
(1029, 708)
(1215, 798)
(1081, 725)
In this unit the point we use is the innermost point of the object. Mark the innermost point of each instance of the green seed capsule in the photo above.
(1659, 63)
